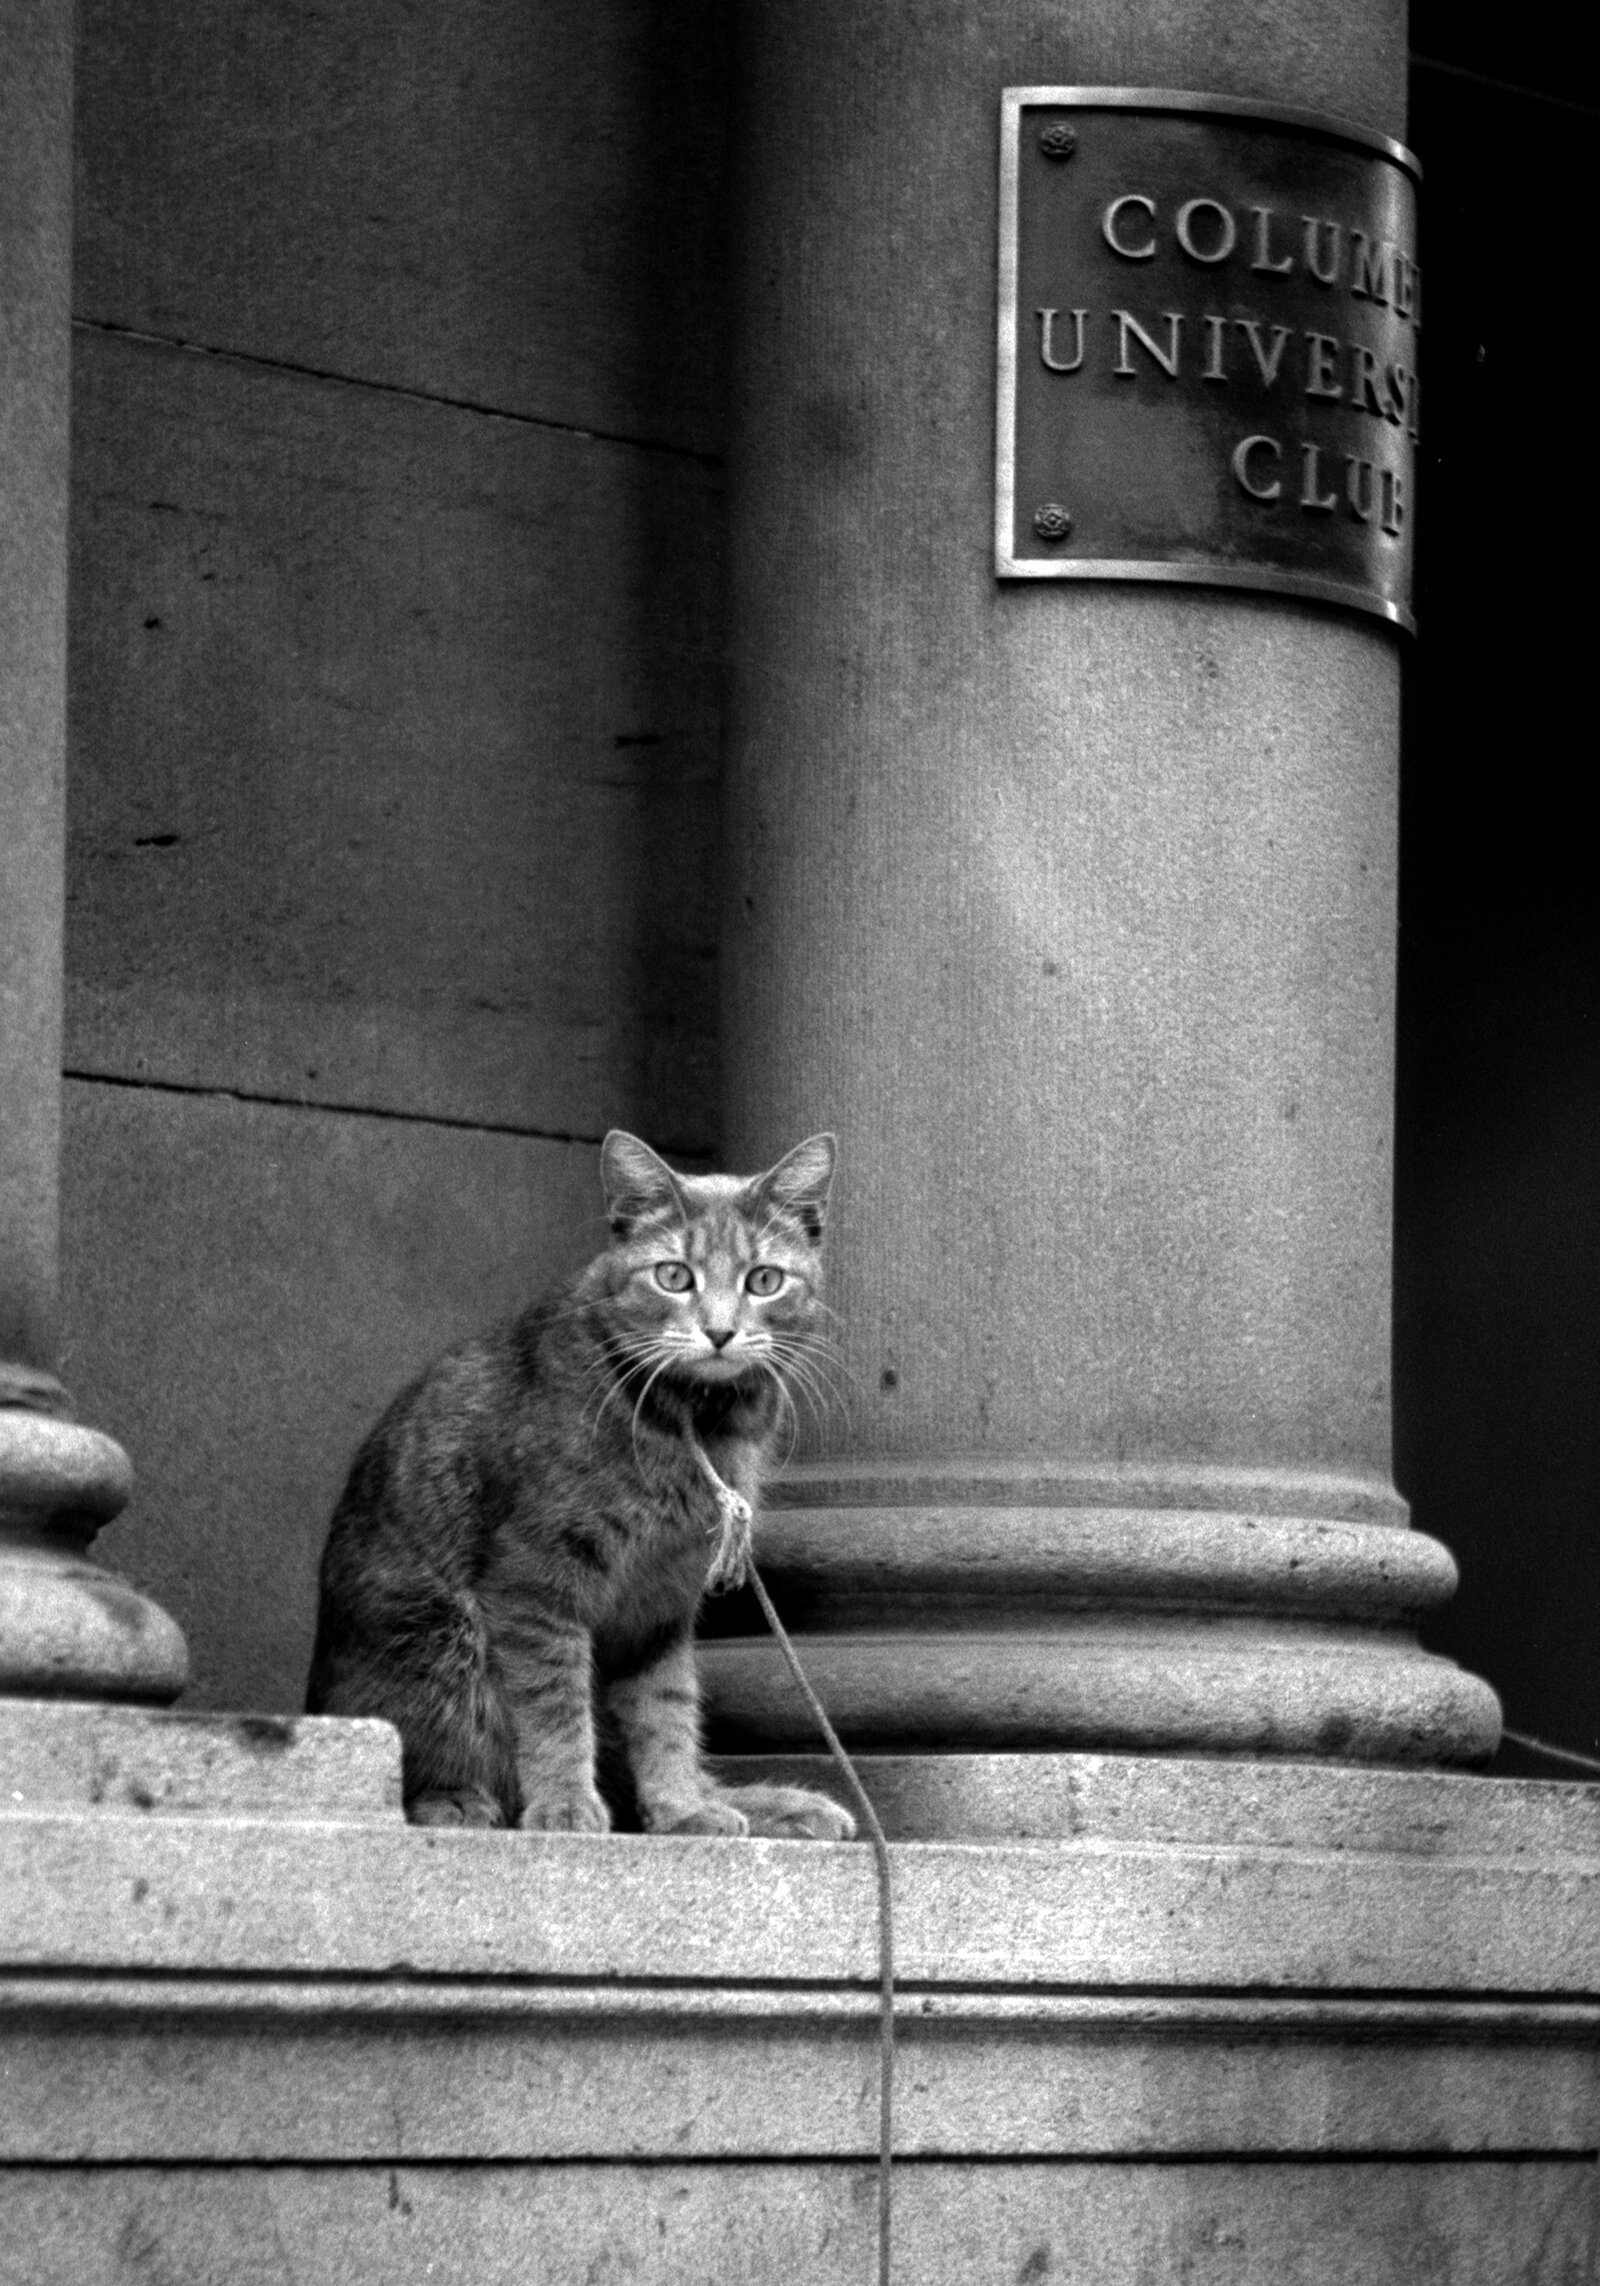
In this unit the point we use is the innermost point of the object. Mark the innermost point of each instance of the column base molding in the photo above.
(1167, 1611)
(1165, 1685)
(67, 1628)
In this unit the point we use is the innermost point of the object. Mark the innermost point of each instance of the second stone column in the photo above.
(1071, 910)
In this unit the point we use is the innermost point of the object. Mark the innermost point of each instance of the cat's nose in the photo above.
(719, 1340)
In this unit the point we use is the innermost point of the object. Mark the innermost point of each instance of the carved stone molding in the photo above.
(67, 1628)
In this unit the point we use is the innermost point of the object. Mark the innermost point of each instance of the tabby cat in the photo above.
(512, 1572)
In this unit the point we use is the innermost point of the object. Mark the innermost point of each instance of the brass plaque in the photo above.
(1208, 346)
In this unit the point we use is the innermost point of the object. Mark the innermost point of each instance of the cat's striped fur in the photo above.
(512, 1573)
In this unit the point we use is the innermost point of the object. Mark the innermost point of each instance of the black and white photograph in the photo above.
(799, 1144)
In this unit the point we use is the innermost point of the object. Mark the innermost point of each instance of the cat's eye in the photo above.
(764, 1279)
(674, 1277)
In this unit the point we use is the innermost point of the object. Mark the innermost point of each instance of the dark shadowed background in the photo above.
(1497, 1238)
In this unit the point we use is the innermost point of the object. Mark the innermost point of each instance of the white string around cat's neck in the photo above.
(733, 1559)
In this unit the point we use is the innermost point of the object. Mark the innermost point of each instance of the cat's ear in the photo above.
(800, 1182)
(636, 1182)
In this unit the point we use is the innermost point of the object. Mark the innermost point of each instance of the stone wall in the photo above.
(393, 736)
(393, 721)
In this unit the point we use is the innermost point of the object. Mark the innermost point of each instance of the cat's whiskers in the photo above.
(787, 1405)
(828, 1359)
(813, 1361)
(638, 1408)
(617, 1359)
(616, 1365)
(815, 1404)
(821, 1404)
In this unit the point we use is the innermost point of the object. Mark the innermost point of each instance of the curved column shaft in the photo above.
(1071, 909)
(65, 1627)
(35, 254)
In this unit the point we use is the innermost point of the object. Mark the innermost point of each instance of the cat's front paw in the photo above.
(710, 1815)
(793, 1813)
(568, 1809)
(465, 1807)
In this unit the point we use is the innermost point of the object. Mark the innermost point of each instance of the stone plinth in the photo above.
(61, 1758)
(242, 2003)
(809, 2223)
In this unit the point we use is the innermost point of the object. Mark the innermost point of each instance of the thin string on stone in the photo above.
(1555, 1753)
(880, 1850)
(735, 1515)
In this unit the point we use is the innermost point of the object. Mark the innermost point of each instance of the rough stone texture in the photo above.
(35, 251)
(1096, 1620)
(1450, 1906)
(59, 1756)
(1112, 1679)
(394, 720)
(1092, 889)
(345, 2047)
(246, 1286)
(394, 748)
(58, 1473)
(436, 2071)
(1143, 1800)
(64, 1624)
(517, 208)
(1156, 982)
(67, 1627)
(1019, 2225)
(1070, 908)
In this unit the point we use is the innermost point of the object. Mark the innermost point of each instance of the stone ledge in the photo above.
(1475, 2223)
(101, 2070)
(118, 1891)
(387, 2048)
(63, 1755)
(1185, 1801)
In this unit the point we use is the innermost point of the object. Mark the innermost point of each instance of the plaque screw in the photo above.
(1051, 521)
(1057, 141)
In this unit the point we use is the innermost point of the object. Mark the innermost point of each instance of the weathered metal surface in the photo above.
(1207, 347)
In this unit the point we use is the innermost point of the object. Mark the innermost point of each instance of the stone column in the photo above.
(1072, 909)
(66, 1628)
